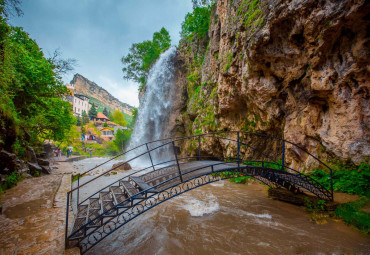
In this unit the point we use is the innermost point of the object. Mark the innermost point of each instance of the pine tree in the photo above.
(85, 118)
(78, 121)
(105, 112)
(93, 112)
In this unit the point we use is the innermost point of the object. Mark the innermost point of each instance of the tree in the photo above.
(11, 8)
(196, 24)
(93, 112)
(121, 138)
(62, 66)
(78, 121)
(143, 55)
(105, 124)
(31, 92)
(105, 112)
(134, 115)
(85, 118)
(202, 3)
(119, 118)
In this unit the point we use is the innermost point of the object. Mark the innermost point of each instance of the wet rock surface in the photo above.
(122, 166)
(43, 162)
(33, 218)
(35, 169)
(299, 70)
(30, 155)
(8, 162)
(45, 169)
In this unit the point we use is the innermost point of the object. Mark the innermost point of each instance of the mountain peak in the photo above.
(98, 95)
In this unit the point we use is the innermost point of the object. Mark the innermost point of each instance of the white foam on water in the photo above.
(218, 184)
(263, 215)
(198, 208)
(263, 244)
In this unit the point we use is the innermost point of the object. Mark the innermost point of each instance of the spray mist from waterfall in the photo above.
(154, 110)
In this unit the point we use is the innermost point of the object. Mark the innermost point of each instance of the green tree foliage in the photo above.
(85, 118)
(93, 112)
(143, 55)
(105, 124)
(202, 3)
(353, 181)
(78, 123)
(105, 112)
(30, 91)
(70, 137)
(134, 115)
(118, 118)
(196, 24)
(121, 138)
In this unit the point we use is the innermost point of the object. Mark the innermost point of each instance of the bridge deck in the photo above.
(113, 200)
(188, 170)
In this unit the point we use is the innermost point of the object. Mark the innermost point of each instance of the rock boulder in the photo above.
(122, 166)
(30, 155)
(8, 162)
(34, 168)
(43, 162)
(46, 169)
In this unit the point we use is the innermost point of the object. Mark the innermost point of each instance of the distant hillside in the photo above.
(99, 96)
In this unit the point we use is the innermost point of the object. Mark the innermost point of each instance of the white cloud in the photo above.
(126, 92)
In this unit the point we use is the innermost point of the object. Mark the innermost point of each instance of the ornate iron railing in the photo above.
(272, 169)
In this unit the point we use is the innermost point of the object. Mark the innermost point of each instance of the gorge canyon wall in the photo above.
(298, 70)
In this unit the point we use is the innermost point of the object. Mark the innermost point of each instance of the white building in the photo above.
(80, 104)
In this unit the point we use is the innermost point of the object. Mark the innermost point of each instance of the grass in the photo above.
(75, 177)
(355, 181)
(236, 177)
(352, 214)
(10, 181)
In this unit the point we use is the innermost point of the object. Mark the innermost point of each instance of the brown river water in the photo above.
(229, 218)
(219, 218)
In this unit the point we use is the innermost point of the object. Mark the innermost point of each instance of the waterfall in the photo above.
(155, 105)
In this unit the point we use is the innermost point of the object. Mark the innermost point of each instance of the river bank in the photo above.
(230, 218)
(33, 217)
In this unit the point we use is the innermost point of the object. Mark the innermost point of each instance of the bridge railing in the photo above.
(236, 146)
(166, 190)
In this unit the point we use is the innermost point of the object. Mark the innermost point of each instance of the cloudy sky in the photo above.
(98, 33)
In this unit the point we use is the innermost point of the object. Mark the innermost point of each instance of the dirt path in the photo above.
(33, 218)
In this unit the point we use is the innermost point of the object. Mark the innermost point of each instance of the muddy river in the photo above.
(229, 218)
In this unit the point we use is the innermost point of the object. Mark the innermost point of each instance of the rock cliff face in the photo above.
(92, 90)
(293, 69)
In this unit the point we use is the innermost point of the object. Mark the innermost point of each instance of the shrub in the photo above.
(196, 24)
(352, 214)
(352, 181)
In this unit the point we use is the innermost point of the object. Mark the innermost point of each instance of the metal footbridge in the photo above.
(171, 172)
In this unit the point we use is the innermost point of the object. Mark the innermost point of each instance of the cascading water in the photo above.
(155, 106)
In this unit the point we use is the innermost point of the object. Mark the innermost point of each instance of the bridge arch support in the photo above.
(110, 208)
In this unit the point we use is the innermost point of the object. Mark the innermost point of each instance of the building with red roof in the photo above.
(101, 117)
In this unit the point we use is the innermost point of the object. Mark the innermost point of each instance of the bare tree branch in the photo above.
(12, 8)
(62, 66)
